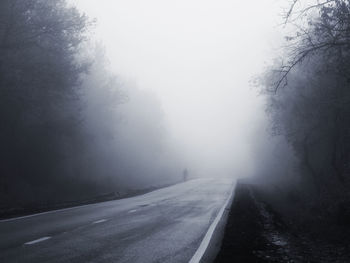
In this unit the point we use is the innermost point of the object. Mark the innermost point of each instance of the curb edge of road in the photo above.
(82, 205)
(211, 243)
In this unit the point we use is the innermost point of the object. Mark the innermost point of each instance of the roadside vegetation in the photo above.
(297, 208)
(308, 98)
(71, 129)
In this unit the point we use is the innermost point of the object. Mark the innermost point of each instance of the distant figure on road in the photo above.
(185, 174)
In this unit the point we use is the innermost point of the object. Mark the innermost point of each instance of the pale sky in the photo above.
(198, 57)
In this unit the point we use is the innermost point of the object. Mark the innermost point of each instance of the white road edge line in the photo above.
(37, 241)
(205, 242)
(43, 213)
(99, 221)
(79, 206)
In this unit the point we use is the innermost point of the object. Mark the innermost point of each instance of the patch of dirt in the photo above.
(255, 232)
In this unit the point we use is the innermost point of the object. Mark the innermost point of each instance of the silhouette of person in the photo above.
(185, 174)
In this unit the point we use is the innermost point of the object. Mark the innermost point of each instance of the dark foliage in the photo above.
(38, 91)
(309, 96)
(64, 135)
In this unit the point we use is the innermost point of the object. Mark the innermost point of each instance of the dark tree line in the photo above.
(38, 88)
(309, 96)
(59, 132)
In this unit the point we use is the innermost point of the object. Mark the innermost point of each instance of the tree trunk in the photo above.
(307, 164)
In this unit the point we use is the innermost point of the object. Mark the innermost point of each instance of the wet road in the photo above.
(166, 225)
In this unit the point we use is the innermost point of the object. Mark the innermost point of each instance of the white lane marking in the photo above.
(205, 242)
(37, 240)
(132, 211)
(99, 221)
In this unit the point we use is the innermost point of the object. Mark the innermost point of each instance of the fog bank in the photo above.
(198, 58)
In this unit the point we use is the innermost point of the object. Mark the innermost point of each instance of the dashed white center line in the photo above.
(132, 211)
(99, 221)
(37, 240)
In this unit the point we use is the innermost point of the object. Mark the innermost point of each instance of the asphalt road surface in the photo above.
(166, 225)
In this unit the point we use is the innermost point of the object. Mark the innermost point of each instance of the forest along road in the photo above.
(166, 225)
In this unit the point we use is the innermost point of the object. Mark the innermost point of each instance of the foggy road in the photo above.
(166, 225)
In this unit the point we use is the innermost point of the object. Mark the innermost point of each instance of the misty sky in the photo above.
(198, 57)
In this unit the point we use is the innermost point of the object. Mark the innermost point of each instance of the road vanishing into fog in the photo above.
(166, 225)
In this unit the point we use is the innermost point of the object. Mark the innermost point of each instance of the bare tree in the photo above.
(327, 33)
